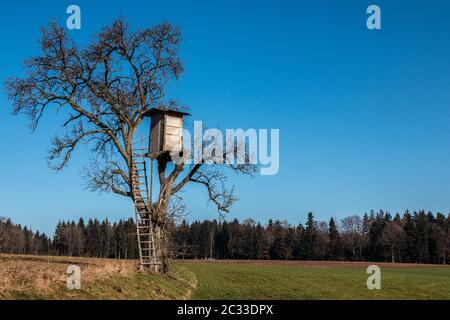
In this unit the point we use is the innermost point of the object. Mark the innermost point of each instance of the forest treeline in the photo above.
(420, 237)
(92, 239)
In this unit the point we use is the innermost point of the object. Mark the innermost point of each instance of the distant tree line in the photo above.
(378, 236)
(21, 240)
(417, 237)
(92, 239)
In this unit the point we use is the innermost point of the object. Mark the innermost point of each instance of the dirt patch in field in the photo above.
(320, 264)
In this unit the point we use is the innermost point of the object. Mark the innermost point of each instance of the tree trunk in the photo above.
(157, 213)
(159, 231)
(360, 252)
(392, 254)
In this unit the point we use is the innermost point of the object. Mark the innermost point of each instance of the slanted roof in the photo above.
(175, 113)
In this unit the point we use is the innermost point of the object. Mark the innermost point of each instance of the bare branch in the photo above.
(214, 181)
(65, 145)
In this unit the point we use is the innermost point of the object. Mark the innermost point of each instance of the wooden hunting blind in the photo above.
(166, 131)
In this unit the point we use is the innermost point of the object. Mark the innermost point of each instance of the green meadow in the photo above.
(296, 281)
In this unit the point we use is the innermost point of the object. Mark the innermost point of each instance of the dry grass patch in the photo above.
(41, 277)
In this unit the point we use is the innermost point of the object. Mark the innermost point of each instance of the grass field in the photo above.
(316, 280)
(32, 277)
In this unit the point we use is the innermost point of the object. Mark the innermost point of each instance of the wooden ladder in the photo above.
(142, 202)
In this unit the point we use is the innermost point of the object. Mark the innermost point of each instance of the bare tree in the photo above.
(442, 243)
(352, 227)
(103, 92)
(2, 232)
(394, 238)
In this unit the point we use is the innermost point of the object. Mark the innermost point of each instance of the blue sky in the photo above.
(363, 115)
